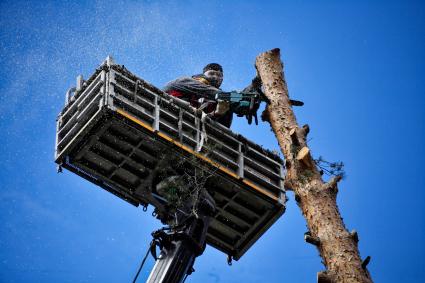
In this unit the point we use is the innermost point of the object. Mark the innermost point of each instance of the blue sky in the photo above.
(357, 65)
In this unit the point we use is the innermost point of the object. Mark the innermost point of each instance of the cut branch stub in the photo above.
(306, 129)
(312, 240)
(305, 157)
(354, 236)
(332, 184)
(294, 136)
(365, 262)
(323, 277)
(265, 115)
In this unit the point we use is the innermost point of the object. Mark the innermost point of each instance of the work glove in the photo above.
(222, 107)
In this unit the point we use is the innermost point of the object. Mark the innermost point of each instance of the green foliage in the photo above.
(330, 168)
(181, 179)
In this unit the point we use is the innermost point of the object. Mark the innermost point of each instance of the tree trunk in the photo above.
(316, 198)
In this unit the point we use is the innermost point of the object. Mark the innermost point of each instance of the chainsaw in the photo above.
(246, 102)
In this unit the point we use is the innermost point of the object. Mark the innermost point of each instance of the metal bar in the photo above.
(71, 143)
(134, 149)
(224, 158)
(57, 136)
(261, 155)
(112, 184)
(135, 91)
(261, 228)
(227, 227)
(156, 116)
(75, 120)
(260, 182)
(127, 159)
(180, 125)
(75, 115)
(220, 243)
(140, 110)
(96, 181)
(262, 169)
(131, 94)
(88, 89)
(193, 127)
(93, 139)
(240, 162)
(251, 229)
(77, 124)
(227, 213)
(224, 145)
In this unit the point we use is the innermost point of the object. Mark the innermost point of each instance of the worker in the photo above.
(200, 91)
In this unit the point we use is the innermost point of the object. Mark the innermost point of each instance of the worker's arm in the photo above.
(189, 86)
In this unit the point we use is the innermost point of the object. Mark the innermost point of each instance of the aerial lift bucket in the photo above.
(115, 128)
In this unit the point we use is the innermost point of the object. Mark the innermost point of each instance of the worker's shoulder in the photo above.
(183, 80)
(186, 83)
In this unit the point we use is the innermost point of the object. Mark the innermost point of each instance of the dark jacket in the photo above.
(190, 89)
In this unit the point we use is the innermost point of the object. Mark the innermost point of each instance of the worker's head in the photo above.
(214, 74)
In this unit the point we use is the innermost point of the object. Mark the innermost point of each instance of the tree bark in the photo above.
(316, 198)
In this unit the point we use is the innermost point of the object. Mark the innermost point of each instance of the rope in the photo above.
(141, 266)
(204, 136)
